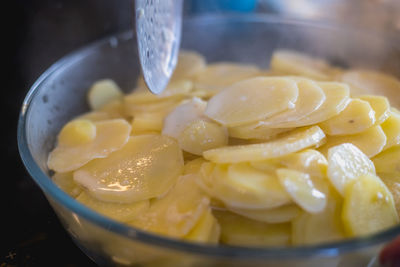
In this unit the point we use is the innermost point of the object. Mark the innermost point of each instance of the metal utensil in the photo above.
(158, 27)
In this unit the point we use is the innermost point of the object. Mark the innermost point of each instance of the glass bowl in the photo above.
(60, 94)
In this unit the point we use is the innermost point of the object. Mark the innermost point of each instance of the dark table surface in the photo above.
(37, 33)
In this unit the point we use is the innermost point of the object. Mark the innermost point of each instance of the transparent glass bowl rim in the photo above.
(136, 235)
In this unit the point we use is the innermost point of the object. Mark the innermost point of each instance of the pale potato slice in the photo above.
(322, 227)
(66, 182)
(311, 97)
(392, 181)
(345, 163)
(176, 121)
(355, 118)
(337, 98)
(193, 166)
(309, 161)
(189, 64)
(256, 130)
(388, 160)
(302, 190)
(77, 132)
(252, 100)
(371, 82)
(241, 186)
(368, 206)
(240, 231)
(118, 211)
(146, 167)
(94, 116)
(201, 135)
(292, 142)
(391, 128)
(206, 229)
(177, 212)
(218, 76)
(281, 214)
(147, 122)
(296, 63)
(163, 106)
(103, 92)
(115, 109)
(380, 105)
(370, 142)
(111, 135)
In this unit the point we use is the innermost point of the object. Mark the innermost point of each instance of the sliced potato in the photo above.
(296, 63)
(189, 64)
(115, 109)
(256, 130)
(103, 92)
(311, 97)
(345, 163)
(355, 118)
(388, 160)
(201, 135)
(218, 76)
(251, 100)
(206, 229)
(146, 167)
(77, 132)
(111, 135)
(117, 211)
(368, 206)
(370, 142)
(149, 122)
(371, 82)
(240, 231)
(302, 190)
(177, 89)
(193, 166)
(241, 186)
(337, 98)
(392, 181)
(309, 161)
(66, 182)
(281, 214)
(391, 128)
(177, 212)
(322, 227)
(292, 142)
(176, 121)
(380, 105)
(95, 116)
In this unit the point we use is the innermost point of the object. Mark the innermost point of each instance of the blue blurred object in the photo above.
(201, 6)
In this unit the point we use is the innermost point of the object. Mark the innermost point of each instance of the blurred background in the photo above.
(39, 32)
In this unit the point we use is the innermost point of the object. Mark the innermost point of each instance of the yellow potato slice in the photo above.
(311, 97)
(240, 231)
(95, 116)
(218, 76)
(146, 167)
(241, 186)
(189, 63)
(115, 109)
(177, 212)
(292, 142)
(177, 120)
(77, 132)
(302, 190)
(66, 182)
(193, 166)
(345, 163)
(103, 92)
(201, 135)
(163, 106)
(252, 100)
(370, 142)
(380, 105)
(368, 206)
(391, 128)
(296, 63)
(337, 98)
(388, 160)
(111, 135)
(392, 181)
(147, 122)
(371, 82)
(275, 215)
(117, 211)
(207, 229)
(256, 130)
(355, 118)
(322, 227)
